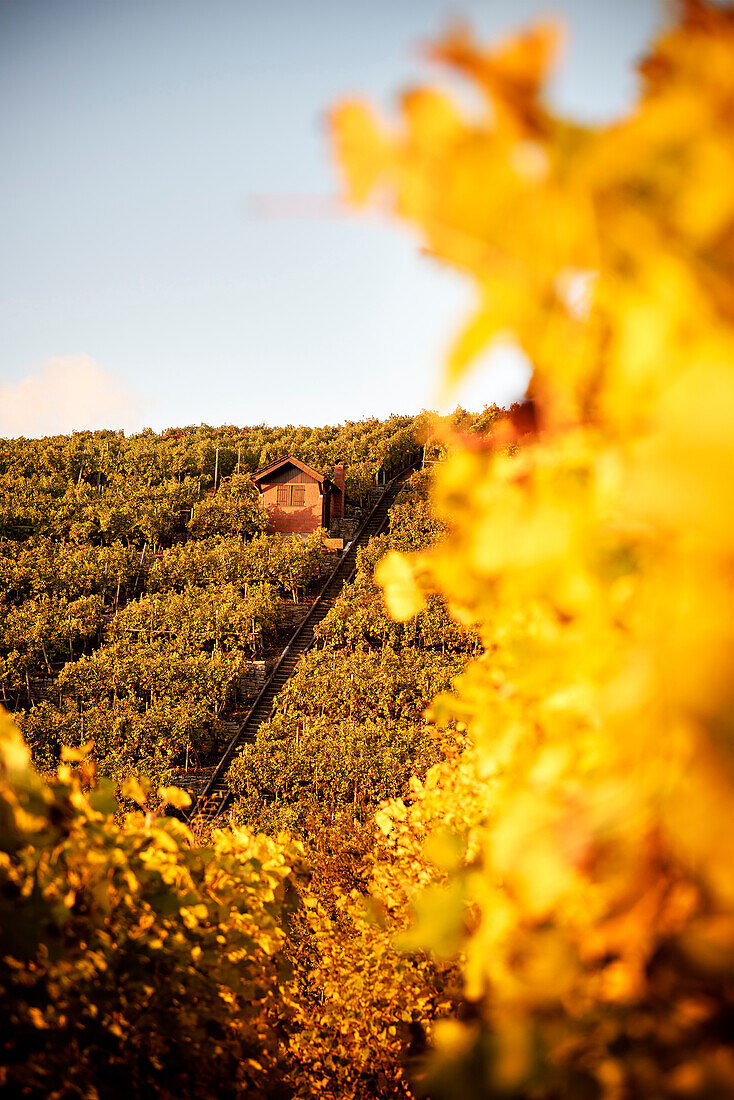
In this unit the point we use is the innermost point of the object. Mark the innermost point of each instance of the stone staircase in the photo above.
(215, 797)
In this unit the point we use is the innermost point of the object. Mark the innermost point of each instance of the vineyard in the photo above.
(143, 600)
(479, 845)
(147, 692)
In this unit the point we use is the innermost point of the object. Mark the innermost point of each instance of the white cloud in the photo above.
(69, 393)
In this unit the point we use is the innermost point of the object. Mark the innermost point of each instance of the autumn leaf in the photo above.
(174, 796)
(395, 576)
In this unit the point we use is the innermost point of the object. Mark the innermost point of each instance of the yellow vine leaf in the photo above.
(403, 596)
(174, 796)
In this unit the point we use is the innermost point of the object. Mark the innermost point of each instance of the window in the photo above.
(293, 496)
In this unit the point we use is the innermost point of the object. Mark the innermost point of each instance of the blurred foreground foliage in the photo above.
(578, 858)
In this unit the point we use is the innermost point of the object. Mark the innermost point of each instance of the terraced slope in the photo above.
(216, 795)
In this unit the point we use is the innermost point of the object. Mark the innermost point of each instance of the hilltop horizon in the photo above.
(147, 431)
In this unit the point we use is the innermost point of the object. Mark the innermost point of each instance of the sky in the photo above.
(172, 253)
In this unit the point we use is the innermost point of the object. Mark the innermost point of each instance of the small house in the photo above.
(298, 498)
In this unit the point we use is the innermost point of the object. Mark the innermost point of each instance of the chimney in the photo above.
(337, 503)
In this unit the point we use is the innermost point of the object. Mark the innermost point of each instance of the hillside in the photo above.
(142, 605)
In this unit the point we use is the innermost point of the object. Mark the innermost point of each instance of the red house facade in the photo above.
(298, 498)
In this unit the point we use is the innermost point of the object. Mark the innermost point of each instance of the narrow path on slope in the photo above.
(216, 795)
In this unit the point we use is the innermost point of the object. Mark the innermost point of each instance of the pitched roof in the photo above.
(290, 459)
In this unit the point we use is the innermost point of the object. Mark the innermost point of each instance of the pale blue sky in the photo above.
(132, 138)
